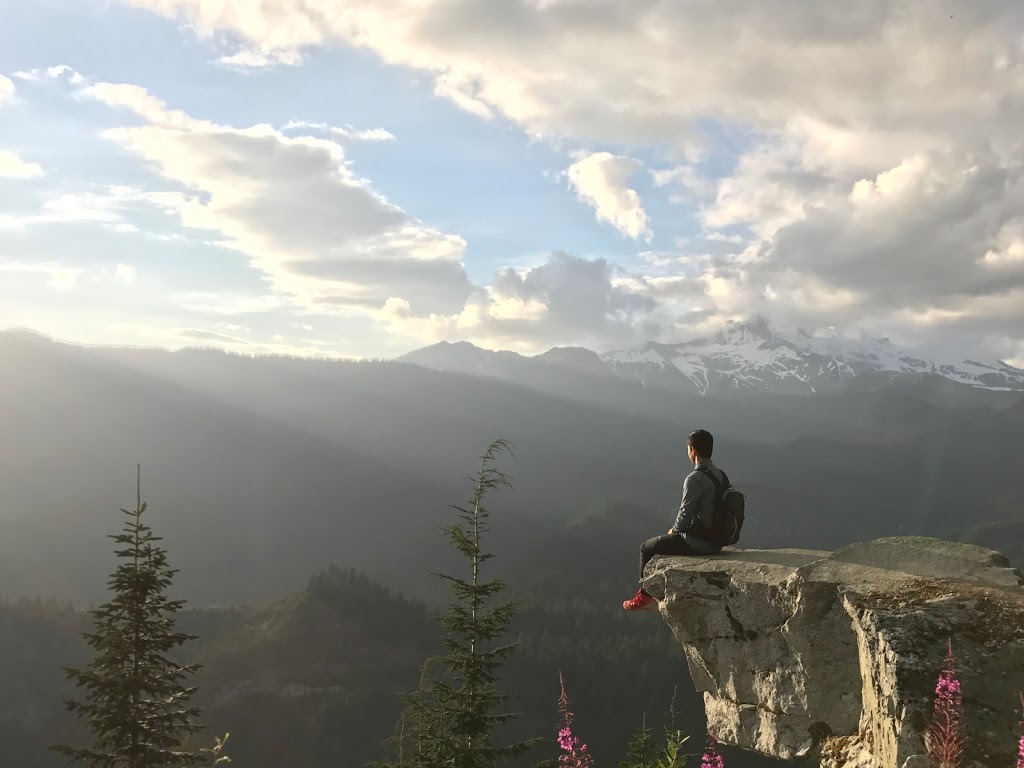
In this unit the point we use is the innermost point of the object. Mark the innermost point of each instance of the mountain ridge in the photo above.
(743, 358)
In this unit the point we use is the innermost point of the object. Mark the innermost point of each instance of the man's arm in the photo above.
(693, 486)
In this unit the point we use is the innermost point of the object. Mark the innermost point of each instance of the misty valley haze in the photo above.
(300, 463)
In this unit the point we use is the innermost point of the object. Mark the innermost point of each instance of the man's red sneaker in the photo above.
(640, 602)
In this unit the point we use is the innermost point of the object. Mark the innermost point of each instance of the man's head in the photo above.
(700, 445)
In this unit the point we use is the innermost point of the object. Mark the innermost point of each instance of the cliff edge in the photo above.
(835, 655)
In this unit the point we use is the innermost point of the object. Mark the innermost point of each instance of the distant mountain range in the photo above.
(745, 358)
(260, 468)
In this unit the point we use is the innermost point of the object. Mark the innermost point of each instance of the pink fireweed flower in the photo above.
(1020, 742)
(712, 758)
(574, 752)
(944, 739)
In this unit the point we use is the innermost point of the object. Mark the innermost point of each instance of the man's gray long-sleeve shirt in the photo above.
(698, 501)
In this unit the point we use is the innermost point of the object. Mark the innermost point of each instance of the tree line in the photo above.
(134, 698)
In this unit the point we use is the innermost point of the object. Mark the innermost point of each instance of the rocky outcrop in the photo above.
(835, 656)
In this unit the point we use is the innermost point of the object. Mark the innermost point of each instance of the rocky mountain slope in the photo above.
(744, 358)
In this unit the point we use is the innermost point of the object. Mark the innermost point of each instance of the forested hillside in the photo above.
(298, 463)
(262, 471)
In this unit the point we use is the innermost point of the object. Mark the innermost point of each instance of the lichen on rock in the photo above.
(834, 656)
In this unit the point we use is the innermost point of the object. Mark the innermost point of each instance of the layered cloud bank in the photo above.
(856, 167)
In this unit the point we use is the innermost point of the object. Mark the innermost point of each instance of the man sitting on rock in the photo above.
(695, 511)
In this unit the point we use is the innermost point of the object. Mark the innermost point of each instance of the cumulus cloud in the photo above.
(567, 300)
(868, 153)
(578, 293)
(248, 58)
(60, 71)
(58, 276)
(65, 277)
(63, 70)
(106, 205)
(343, 132)
(643, 73)
(13, 167)
(124, 273)
(322, 236)
(201, 335)
(601, 180)
(769, 189)
(6, 88)
(228, 303)
(922, 250)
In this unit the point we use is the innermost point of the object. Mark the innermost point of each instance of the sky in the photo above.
(360, 179)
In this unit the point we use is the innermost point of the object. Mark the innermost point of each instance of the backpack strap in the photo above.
(705, 531)
(719, 485)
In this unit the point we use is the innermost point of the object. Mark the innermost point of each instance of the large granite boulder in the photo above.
(835, 656)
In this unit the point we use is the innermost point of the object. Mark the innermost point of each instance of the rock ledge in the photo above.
(834, 656)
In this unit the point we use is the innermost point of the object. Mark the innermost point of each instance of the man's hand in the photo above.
(670, 531)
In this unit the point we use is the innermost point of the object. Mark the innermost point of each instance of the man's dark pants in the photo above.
(668, 544)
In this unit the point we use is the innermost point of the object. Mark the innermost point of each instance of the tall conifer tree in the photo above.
(135, 698)
(450, 720)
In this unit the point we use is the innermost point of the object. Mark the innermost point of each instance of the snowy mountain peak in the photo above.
(745, 357)
(741, 334)
(752, 357)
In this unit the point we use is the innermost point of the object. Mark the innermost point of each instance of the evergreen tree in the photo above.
(135, 700)
(450, 720)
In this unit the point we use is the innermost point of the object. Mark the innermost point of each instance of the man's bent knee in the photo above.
(649, 546)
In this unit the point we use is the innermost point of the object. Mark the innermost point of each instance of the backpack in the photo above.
(729, 511)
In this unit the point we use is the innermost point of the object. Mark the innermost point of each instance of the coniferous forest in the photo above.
(345, 670)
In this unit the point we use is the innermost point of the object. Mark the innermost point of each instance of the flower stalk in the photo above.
(1020, 740)
(944, 739)
(712, 757)
(574, 752)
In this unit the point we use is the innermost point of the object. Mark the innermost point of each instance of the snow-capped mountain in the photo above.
(743, 358)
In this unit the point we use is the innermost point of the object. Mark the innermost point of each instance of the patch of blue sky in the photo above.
(484, 180)
(102, 39)
(181, 259)
(50, 126)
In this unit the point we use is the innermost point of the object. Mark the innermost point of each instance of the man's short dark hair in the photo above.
(702, 442)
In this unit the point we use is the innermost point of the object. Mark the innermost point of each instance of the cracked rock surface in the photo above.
(834, 655)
